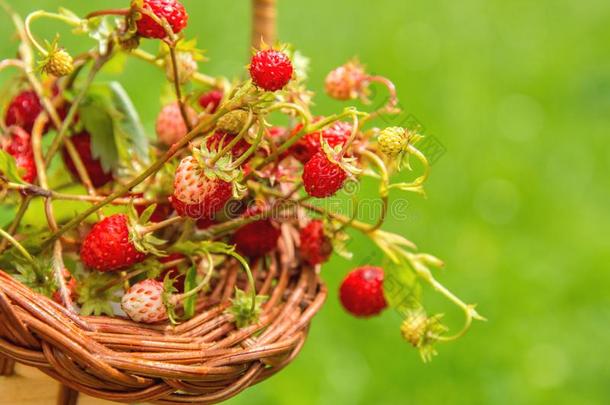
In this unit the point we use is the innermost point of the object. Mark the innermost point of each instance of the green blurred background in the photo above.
(518, 93)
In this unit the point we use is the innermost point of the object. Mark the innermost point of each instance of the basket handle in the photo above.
(264, 15)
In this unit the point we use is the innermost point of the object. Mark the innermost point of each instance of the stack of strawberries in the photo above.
(157, 217)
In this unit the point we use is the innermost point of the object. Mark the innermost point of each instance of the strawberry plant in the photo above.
(160, 216)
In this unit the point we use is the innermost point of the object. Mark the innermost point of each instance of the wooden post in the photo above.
(7, 367)
(264, 15)
(67, 396)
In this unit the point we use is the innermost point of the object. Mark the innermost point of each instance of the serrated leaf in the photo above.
(8, 167)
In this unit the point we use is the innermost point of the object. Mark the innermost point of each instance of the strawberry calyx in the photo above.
(145, 242)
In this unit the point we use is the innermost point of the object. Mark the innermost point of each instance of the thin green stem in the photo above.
(17, 246)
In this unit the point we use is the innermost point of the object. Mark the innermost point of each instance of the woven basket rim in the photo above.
(203, 360)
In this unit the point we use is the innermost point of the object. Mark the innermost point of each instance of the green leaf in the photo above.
(241, 308)
(8, 167)
(94, 296)
(117, 134)
(190, 283)
(401, 288)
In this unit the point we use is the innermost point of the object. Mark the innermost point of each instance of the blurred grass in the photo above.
(519, 95)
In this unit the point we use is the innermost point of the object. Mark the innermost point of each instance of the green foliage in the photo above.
(8, 167)
(94, 295)
(244, 313)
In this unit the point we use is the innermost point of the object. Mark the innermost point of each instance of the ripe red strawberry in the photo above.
(173, 272)
(321, 177)
(170, 125)
(316, 247)
(219, 140)
(309, 145)
(256, 238)
(361, 292)
(172, 10)
(108, 246)
(143, 302)
(20, 147)
(23, 110)
(270, 70)
(196, 195)
(211, 100)
(82, 143)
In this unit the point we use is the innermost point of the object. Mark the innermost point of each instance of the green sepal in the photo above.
(93, 297)
(241, 308)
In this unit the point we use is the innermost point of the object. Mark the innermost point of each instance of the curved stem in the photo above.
(253, 147)
(177, 88)
(383, 186)
(205, 282)
(246, 267)
(44, 14)
(116, 11)
(17, 246)
(227, 148)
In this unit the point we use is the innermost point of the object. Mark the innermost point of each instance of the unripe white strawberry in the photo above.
(170, 124)
(143, 302)
(346, 82)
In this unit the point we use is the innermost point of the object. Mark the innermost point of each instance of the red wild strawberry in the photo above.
(20, 147)
(82, 142)
(23, 110)
(173, 272)
(321, 177)
(143, 302)
(270, 70)
(361, 292)
(172, 10)
(170, 125)
(196, 195)
(109, 246)
(309, 145)
(316, 247)
(219, 140)
(211, 100)
(256, 238)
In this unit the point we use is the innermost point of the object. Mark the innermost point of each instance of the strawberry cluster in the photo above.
(156, 217)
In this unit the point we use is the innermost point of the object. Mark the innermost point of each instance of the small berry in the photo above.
(219, 140)
(321, 177)
(143, 302)
(172, 10)
(23, 110)
(361, 292)
(256, 238)
(58, 63)
(316, 247)
(414, 327)
(271, 70)
(196, 195)
(170, 125)
(187, 66)
(392, 141)
(109, 246)
(346, 82)
(232, 122)
(309, 144)
(20, 148)
(211, 100)
(82, 142)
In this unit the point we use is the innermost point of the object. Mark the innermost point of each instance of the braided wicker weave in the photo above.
(205, 360)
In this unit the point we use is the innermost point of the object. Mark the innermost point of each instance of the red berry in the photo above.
(170, 125)
(173, 272)
(361, 292)
(321, 177)
(23, 110)
(82, 142)
(219, 140)
(211, 100)
(20, 147)
(172, 10)
(108, 246)
(196, 195)
(271, 70)
(143, 302)
(309, 145)
(316, 247)
(256, 238)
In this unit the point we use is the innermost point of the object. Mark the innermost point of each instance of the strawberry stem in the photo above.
(113, 11)
(7, 236)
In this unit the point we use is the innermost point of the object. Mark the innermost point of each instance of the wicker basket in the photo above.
(205, 360)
